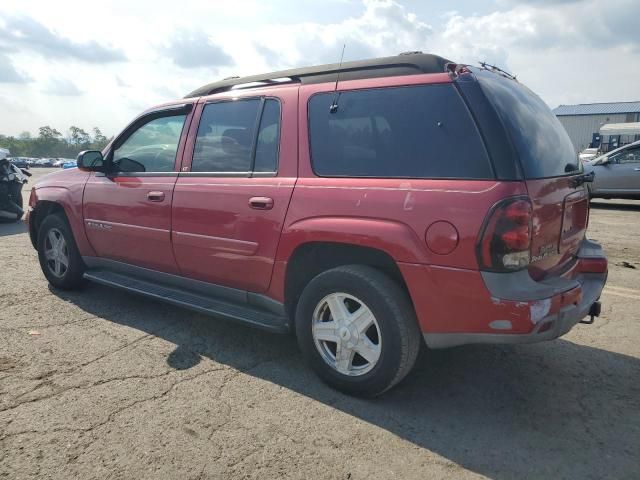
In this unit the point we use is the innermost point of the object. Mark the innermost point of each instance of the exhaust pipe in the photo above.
(594, 311)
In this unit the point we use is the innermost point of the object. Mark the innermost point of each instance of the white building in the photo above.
(583, 123)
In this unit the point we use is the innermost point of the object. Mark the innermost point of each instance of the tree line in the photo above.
(50, 143)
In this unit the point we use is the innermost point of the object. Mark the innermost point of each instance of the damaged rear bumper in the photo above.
(585, 288)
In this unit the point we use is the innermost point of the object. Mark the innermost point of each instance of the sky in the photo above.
(89, 63)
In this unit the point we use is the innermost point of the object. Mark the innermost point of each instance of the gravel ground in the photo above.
(104, 384)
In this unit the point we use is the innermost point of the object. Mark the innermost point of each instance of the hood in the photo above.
(63, 178)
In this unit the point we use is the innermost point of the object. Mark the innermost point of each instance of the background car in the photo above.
(617, 173)
(19, 162)
(588, 154)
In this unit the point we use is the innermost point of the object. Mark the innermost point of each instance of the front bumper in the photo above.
(586, 287)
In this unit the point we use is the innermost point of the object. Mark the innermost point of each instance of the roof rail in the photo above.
(409, 63)
(262, 83)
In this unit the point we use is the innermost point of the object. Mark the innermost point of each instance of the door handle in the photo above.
(637, 169)
(261, 203)
(155, 196)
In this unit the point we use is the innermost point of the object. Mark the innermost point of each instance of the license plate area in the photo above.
(574, 221)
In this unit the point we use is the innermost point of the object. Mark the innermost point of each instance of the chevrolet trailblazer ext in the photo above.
(366, 206)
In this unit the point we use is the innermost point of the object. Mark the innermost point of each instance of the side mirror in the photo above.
(91, 161)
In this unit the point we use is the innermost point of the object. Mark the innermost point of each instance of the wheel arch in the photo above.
(311, 258)
(55, 199)
(42, 209)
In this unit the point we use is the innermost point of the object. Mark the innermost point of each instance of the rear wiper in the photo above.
(493, 68)
(582, 179)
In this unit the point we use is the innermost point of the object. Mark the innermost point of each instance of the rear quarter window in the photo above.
(541, 141)
(424, 131)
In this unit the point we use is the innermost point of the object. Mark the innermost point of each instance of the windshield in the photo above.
(541, 141)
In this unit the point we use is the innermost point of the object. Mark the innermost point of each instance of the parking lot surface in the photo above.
(104, 384)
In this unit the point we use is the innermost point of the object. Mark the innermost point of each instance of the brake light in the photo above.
(505, 240)
(32, 198)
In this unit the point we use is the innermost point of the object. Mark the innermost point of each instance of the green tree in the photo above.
(78, 136)
(99, 140)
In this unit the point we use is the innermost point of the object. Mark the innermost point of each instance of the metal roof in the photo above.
(409, 63)
(598, 108)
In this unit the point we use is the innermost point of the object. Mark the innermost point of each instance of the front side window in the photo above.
(424, 131)
(227, 140)
(631, 155)
(152, 147)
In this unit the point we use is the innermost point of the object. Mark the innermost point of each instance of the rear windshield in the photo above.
(543, 145)
(424, 131)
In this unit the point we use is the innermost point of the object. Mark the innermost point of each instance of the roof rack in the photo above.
(410, 63)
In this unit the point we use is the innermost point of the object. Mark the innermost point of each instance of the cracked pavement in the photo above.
(102, 384)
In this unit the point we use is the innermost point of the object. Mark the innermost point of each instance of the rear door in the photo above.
(234, 189)
(127, 213)
(550, 167)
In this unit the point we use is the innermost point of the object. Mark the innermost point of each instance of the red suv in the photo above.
(366, 206)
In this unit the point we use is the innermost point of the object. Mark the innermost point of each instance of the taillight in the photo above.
(32, 197)
(505, 239)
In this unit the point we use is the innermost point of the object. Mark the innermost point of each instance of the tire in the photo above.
(393, 334)
(67, 277)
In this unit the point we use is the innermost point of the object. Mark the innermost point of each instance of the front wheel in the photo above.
(59, 257)
(357, 329)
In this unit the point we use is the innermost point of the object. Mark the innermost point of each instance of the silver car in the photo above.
(617, 173)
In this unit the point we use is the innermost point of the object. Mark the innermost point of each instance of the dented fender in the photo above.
(396, 239)
(64, 188)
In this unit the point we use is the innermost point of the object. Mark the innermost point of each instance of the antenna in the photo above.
(336, 95)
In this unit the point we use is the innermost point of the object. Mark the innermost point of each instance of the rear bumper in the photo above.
(547, 328)
(521, 310)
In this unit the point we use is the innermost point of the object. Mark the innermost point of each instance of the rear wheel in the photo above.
(357, 329)
(59, 257)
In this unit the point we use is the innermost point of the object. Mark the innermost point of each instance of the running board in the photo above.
(194, 301)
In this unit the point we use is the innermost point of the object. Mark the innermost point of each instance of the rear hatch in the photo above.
(550, 166)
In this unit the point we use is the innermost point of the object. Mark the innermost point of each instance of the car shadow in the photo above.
(615, 206)
(12, 228)
(552, 410)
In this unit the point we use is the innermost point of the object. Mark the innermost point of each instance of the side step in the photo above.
(194, 301)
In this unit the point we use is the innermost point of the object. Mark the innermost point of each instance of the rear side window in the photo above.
(227, 140)
(268, 138)
(402, 132)
(541, 141)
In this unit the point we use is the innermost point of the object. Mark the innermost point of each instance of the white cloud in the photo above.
(62, 86)
(567, 51)
(190, 49)
(384, 28)
(9, 74)
(26, 33)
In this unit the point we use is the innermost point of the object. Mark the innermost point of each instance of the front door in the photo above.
(230, 201)
(621, 175)
(127, 213)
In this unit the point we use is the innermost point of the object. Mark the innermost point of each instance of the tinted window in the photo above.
(225, 137)
(152, 147)
(268, 138)
(543, 145)
(404, 132)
